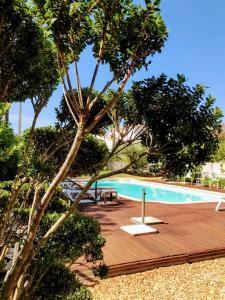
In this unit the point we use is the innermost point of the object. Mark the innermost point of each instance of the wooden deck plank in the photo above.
(191, 232)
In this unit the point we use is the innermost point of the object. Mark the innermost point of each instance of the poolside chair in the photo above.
(201, 177)
(69, 183)
(214, 179)
(188, 178)
(73, 193)
(218, 206)
(95, 195)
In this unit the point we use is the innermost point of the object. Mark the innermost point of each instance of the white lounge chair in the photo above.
(71, 193)
(219, 204)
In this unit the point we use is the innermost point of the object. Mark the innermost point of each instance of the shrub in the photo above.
(81, 294)
(58, 283)
(4, 193)
(78, 237)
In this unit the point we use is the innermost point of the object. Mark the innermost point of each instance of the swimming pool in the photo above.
(156, 192)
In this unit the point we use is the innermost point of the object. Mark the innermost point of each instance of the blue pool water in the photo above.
(158, 192)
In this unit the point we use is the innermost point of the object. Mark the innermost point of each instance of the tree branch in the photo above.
(74, 102)
(80, 98)
(96, 69)
(114, 99)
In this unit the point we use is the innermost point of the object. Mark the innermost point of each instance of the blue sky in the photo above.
(195, 47)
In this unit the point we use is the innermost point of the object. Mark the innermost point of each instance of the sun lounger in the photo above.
(219, 204)
(71, 189)
(73, 193)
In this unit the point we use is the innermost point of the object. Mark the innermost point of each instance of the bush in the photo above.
(58, 282)
(4, 193)
(78, 237)
(81, 294)
(222, 182)
(9, 152)
(90, 156)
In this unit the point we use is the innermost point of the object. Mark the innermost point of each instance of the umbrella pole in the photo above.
(143, 207)
(96, 188)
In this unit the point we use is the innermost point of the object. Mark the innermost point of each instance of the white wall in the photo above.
(217, 168)
(116, 165)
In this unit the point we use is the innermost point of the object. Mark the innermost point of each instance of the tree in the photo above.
(77, 242)
(65, 120)
(28, 68)
(48, 152)
(220, 153)
(72, 25)
(182, 123)
(19, 47)
(9, 152)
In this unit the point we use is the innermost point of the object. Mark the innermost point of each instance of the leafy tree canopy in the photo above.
(182, 122)
(220, 153)
(75, 24)
(27, 62)
(65, 120)
(9, 152)
(50, 146)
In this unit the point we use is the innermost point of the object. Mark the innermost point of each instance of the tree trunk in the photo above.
(7, 117)
(7, 210)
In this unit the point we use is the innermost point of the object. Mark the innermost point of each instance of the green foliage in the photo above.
(80, 294)
(47, 139)
(4, 107)
(4, 196)
(220, 153)
(9, 152)
(65, 120)
(87, 22)
(58, 283)
(101, 270)
(90, 156)
(182, 123)
(78, 237)
(27, 65)
(137, 149)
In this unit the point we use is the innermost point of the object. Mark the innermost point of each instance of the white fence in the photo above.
(116, 165)
(214, 169)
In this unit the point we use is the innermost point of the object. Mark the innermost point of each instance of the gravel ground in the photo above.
(198, 281)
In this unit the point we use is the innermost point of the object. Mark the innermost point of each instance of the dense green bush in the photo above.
(46, 140)
(80, 294)
(220, 153)
(9, 150)
(58, 283)
(79, 236)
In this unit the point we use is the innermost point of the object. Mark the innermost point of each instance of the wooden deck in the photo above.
(191, 232)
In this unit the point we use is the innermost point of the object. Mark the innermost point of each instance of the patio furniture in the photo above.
(201, 177)
(108, 192)
(92, 193)
(218, 206)
(188, 177)
(214, 179)
(69, 183)
(73, 193)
